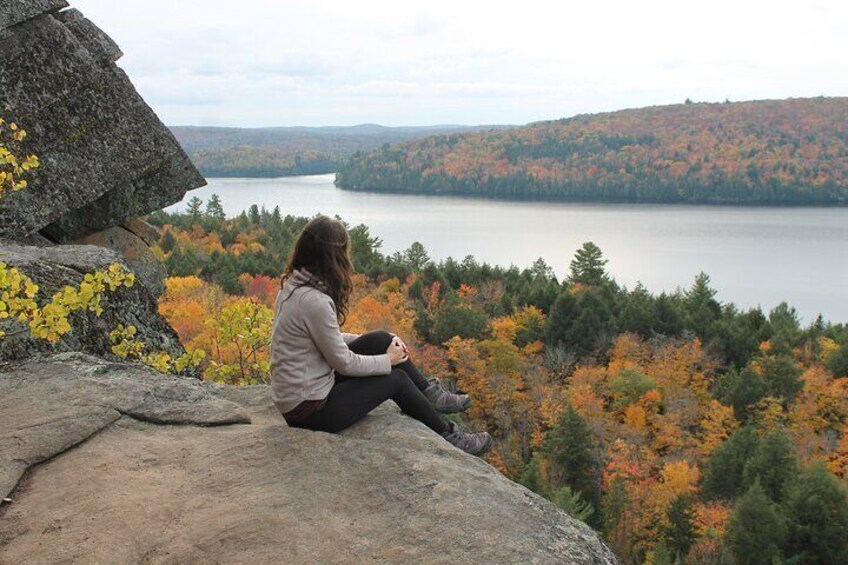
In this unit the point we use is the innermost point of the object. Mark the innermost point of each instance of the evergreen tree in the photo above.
(723, 471)
(572, 502)
(637, 312)
(241, 224)
(594, 325)
(561, 319)
(570, 449)
(540, 270)
(702, 308)
(773, 464)
(668, 315)
(662, 554)
(737, 336)
(580, 323)
(587, 267)
(785, 328)
(783, 377)
(253, 214)
(182, 263)
(364, 250)
(214, 209)
(416, 257)
(457, 319)
(681, 530)
(756, 530)
(817, 514)
(837, 362)
(195, 205)
(532, 479)
(741, 390)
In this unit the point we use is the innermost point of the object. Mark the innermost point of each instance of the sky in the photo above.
(254, 63)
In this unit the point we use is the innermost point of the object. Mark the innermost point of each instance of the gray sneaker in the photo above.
(444, 401)
(475, 444)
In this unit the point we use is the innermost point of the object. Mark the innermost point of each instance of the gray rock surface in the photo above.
(50, 405)
(13, 12)
(105, 156)
(388, 490)
(92, 37)
(52, 268)
(147, 267)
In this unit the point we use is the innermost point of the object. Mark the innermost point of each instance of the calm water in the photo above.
(754, 256)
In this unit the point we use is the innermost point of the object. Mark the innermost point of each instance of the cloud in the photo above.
(280, 62)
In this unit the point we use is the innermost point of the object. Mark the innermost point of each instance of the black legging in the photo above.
(351, 398)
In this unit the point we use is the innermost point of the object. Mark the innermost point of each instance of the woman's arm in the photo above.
(320, 319)
(349, 337)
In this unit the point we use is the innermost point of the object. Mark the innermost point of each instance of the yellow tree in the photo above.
(385, 308)
(240, 336)
(186, 303)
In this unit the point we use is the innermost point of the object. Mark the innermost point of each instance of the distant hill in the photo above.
(284, 151)
(765, 152)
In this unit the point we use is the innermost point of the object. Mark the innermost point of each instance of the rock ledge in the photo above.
(130, 466)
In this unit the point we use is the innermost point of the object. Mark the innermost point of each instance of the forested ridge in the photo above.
(288, 151)
(683, 428)
(762, 152)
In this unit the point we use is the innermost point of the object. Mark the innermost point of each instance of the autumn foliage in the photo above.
(687, 421)
(776, 151)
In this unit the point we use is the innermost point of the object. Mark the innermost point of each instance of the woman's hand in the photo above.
(397, 352)
(402, 344)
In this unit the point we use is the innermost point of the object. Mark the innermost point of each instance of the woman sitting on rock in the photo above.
(323, 379)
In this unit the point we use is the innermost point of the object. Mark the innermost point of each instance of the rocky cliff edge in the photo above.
(116, 463)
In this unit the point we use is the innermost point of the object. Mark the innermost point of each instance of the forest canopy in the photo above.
(790, 152)
(683, 428)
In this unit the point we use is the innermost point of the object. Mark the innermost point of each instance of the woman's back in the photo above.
(307, 345)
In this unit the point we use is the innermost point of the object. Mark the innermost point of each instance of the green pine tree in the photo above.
(416, 257)
(817, 513)
(572, 502)
(570, 449)
(756, 530)
(194, 210)
(723, 471)
(587, 267)
(214, 208)
(774, 464)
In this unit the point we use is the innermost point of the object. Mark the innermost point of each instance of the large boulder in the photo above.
(140, 486)
(105, 156)
(53, 268)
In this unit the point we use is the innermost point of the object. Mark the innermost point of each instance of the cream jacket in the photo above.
(307, 346)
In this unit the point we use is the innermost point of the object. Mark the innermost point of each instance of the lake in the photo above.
(754, 255)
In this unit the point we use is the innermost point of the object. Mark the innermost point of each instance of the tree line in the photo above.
(787, 152)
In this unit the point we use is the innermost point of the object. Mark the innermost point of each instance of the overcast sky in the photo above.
(412, 62)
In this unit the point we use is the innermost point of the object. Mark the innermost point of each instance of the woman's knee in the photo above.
(380, 339)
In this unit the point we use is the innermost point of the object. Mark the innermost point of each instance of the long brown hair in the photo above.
(323, 249)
